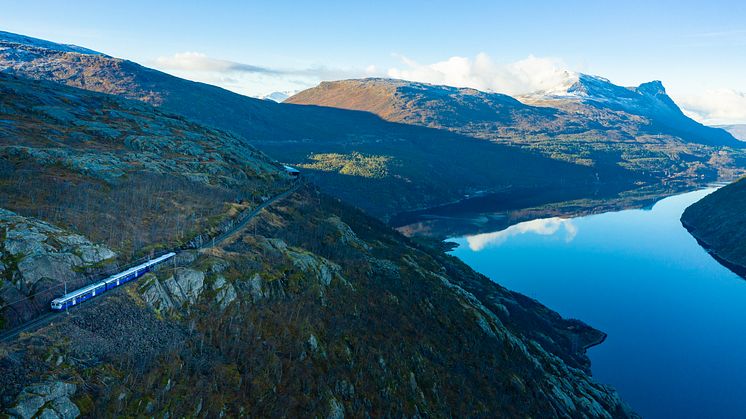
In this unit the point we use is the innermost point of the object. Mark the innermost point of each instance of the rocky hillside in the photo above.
(122, 173)
(655, 111)
(718, 222)
(591, 122)
(312, 309)
(380, 166)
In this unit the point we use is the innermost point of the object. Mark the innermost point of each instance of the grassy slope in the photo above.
(719, 222)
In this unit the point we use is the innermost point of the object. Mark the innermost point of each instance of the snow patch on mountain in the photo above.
(588, 88)
(279, 97)
(7, 39)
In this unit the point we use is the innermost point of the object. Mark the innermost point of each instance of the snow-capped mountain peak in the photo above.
(586, 87)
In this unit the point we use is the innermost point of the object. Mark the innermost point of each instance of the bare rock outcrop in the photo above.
(46, 400)
(36, 258)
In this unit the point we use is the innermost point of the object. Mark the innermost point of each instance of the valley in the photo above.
(668, 307)
(363, 246)
(313, 308)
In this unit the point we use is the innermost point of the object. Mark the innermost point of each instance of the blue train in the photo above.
(89, 291)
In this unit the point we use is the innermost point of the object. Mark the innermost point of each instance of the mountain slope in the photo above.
(648, 101)
(379, 166)
(589, 121)
(313, 309)
(737, 130)
(119, 172)
(424, 104)
(718, 221)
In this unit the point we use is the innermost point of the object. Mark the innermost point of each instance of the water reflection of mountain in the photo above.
(541, 226)
(486, 214)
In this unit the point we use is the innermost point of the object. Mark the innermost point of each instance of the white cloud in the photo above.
(481, 72)
(542, 226)
(252, 80)
(716, 106)
(531, 74)
(195, 61)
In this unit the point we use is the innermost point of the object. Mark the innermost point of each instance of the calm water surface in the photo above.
(676, 318)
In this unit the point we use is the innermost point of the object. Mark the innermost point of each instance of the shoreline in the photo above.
(597, 342)
(734, 267)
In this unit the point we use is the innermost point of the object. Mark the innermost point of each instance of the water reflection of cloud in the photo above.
(542, 226)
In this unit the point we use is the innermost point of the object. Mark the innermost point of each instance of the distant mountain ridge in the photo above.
(566, 108)
(587, 120)
(648, 100)
(380, 166)
(736, 130)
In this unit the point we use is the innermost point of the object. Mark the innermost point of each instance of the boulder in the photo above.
(186, 285)
(54, 396)
(95, 253)
(226, 293)
(255, 288)
(56, 267)
(26, 406)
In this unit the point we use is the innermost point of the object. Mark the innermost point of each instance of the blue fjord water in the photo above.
(675, 317)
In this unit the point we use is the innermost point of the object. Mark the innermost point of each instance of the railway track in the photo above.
(245, 220)
(47, 318)
(33, 324)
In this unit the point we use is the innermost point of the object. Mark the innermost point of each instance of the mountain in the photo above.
(379, 166)
(718, 222)
(736, 130)
(311, 309)
(279, 97)
(587, 120)
(648, 100)
(111, 171)
(423, 104)
(12, 38)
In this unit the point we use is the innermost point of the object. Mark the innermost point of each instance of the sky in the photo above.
(696, 48)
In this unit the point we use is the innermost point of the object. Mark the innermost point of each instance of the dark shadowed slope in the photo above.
(718, 221)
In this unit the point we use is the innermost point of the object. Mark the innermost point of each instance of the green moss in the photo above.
(85, 403)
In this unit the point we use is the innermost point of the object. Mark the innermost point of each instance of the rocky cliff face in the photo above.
(717, 222)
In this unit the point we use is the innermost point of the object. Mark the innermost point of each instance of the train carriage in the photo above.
(89, 291)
